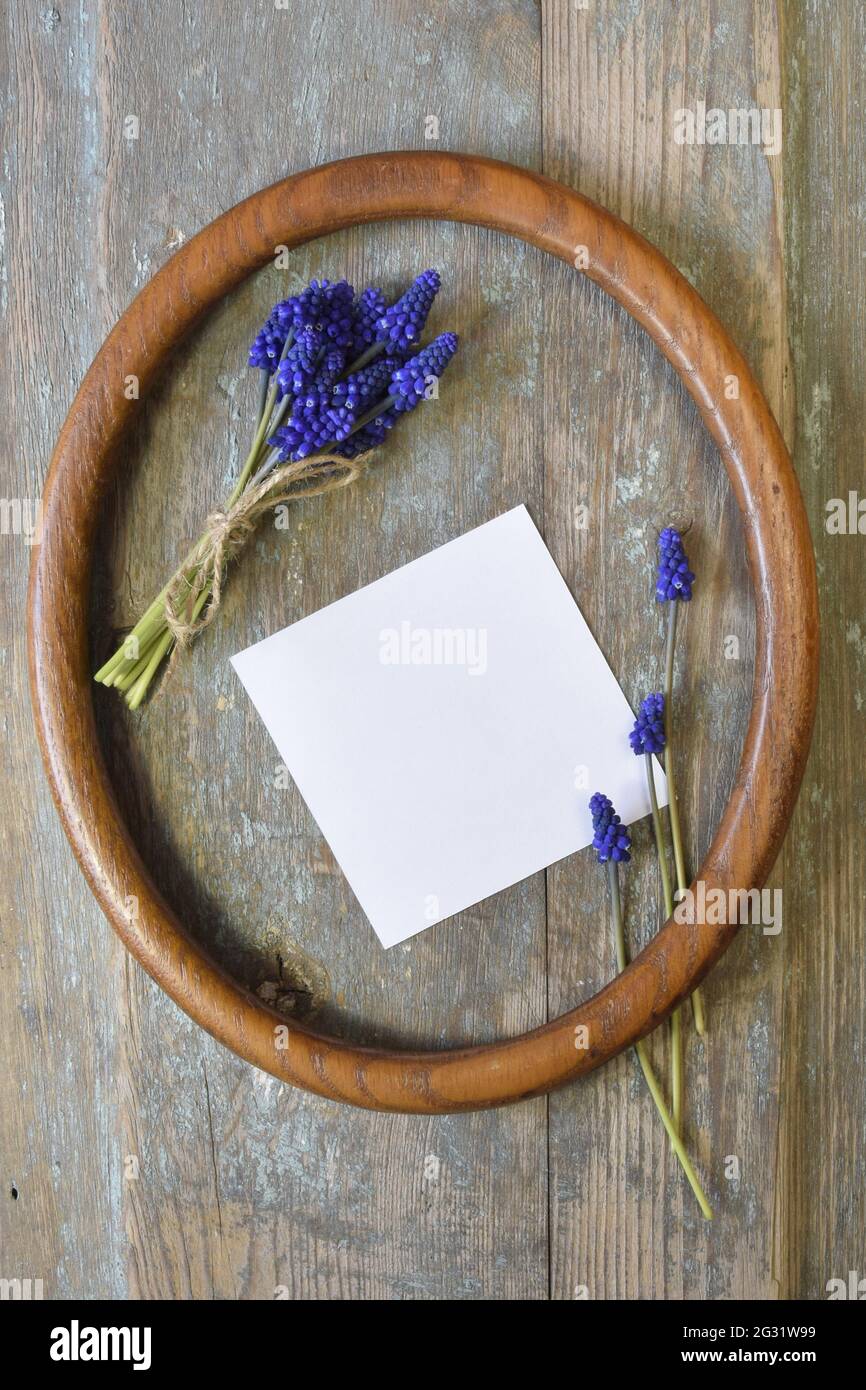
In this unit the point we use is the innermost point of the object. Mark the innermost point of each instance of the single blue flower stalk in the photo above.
(369, 308)
(270, 341)
(326, 306)
(412, 382)
(647, 739)
(611, 843)
(399, 328)
(268, 349)
(674, 586)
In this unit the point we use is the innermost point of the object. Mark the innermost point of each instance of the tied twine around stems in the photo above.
(227, 532)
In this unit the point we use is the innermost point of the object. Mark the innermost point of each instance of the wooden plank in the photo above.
(623, 440)
(61, 1180)
(239, 1187)
(821, 1205)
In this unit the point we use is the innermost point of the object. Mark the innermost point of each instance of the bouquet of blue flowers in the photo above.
(337, 373)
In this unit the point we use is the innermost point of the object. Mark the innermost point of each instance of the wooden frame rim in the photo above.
(556, 219)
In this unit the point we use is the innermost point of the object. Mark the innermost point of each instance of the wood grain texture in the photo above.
(820, 1191)
(61, 1175)
(244, 1184)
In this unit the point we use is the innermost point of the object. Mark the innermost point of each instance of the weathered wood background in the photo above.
(137, 1157)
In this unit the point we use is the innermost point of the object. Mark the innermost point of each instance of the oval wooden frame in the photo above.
(485, 192)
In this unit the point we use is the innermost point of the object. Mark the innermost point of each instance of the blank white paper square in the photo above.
(447, 725)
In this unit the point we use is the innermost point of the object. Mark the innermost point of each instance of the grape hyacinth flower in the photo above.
(323, 308)
(369, 436)
(608, 834)
(337, 373)
(308, 430)
(401, 326)
(298, 367)
(369, 308)
(648, 734)
(326, 306)
(327, 415)
(674, 586)
(611, 840)
(384, 390)
(355, 395)
(397, 329)
(332, 366)
(675, 579)
(411, 382)
(269, 342)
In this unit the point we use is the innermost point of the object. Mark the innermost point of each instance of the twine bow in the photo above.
(194, 592)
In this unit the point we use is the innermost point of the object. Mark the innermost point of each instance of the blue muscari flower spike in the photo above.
(409, 382)
(674, 578)
(301, 437)
(309, 421)
(358, 393)
(648, 734)
(286, 440)
(611, 839)
(327, 307)
(368, 309)
(298, 440)
(401, 325)
(369, 437)
(271, 338)
(333, 365)
(300, 363)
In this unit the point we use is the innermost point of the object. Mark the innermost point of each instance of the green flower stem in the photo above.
(146, 634)
(673, 807)
(123, 680)
(658, 830)
(264, 388)
(152, 622)
(677, 1073)
(148, 626)
(643, 1056)
(256, 447)
(138, 691)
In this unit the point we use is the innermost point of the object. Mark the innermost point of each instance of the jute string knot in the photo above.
(194, 592)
